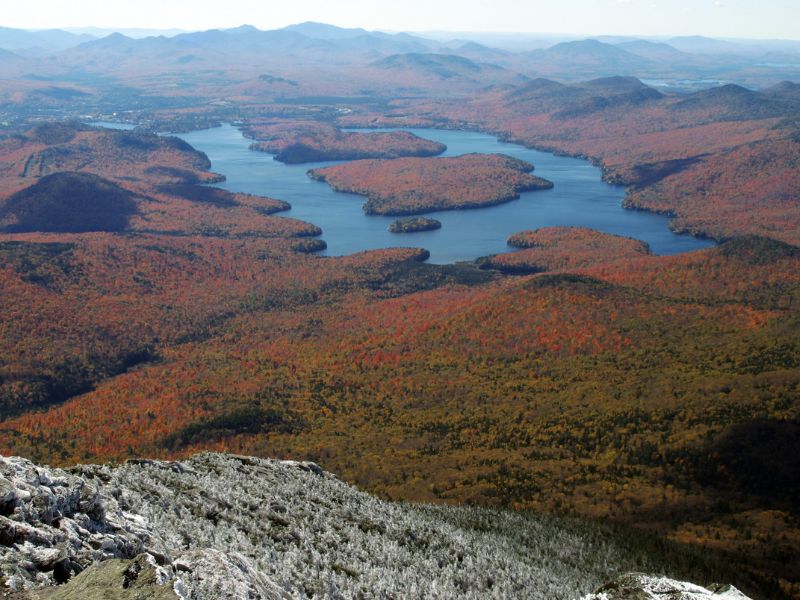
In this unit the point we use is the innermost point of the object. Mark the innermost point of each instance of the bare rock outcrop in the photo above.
(637, 586)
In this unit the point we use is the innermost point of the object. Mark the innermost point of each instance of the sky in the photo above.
(778, 19)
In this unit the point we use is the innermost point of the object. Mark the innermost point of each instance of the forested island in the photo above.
(412, 186)
(304, 142)
(414, 224)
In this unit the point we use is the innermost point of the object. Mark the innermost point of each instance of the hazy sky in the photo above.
(721, 18)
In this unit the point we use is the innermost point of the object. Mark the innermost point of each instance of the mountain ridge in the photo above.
(244, 527)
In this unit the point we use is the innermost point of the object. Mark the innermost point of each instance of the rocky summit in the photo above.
(224, 526)
(636, 586)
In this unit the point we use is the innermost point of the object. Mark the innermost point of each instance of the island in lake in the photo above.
(414, 224)
(408, 186)
(295, 143)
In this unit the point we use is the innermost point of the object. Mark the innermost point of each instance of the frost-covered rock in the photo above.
(222, 526)
(636, 586)
(54, 524)
(215, 574)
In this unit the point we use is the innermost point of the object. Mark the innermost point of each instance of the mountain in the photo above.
(114, 41)
(358, 39)
(447, 67)
(583, 98)
(442, 65)
(38, 42)
(7, 55)
(542, 93)
(585, 56)
(133, 32)
(120, 53)
(605, 93)
(74, 202)
(244, 48)
(736, 102)
(12, 65)
(728, 102)
(481, 53)
(242, 527)
(307, 37)
(249, 39)
(324, 31)
(653, 50)
(784, 89)
(185, 54)
(698, 44)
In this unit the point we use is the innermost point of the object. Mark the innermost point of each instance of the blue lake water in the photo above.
(112, 125)
(579, 198)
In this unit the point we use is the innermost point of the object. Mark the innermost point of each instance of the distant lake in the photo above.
(112, 125)
(579, 198)
(685, 85)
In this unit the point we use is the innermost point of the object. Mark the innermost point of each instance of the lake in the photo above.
(579, 198)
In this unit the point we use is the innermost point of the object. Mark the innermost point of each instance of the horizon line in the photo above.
(546, 34)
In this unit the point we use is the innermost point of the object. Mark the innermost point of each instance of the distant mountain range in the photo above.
(581, 99)
(40, 42)
(133, 32)
(55, 40)
(693, 62)
(307, 42)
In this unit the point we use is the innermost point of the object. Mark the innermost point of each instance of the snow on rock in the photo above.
(215, 574)
(53, 525)
(223, 526)
(637, 586)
